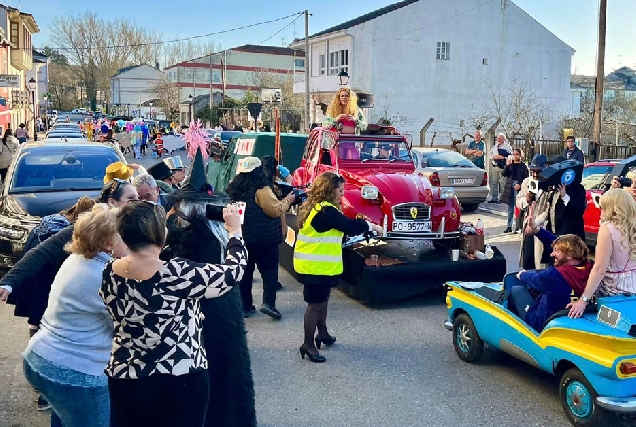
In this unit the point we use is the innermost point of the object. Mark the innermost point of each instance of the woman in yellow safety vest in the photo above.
(318, 255)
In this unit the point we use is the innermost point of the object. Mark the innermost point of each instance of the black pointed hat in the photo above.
(196, 186)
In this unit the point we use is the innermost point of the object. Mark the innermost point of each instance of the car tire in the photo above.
(469, 207)
(578, 399)
(468, 345)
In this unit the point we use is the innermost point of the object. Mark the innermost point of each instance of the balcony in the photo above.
(21, 60)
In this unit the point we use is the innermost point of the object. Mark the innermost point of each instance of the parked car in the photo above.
(79, 111)
(224, 136)
(594, 356)
(385, 190)
(65, 136)
(448, 168)
(63, 119)
(63, 127)
(594, 177)
(45, 178)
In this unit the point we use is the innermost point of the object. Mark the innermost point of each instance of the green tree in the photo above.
(55, 55)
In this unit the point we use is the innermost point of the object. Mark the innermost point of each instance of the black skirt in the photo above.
(317, 288)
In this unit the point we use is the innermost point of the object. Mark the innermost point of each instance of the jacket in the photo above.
(513, 172)
(8, 149)
(541, 215)
(262, 220)
(318, 253)
(575, 154)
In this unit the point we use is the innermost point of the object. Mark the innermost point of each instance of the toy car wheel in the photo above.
(468, 345)
(578, 399)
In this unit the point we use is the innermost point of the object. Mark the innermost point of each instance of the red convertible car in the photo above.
(381, 184)
(594, 176)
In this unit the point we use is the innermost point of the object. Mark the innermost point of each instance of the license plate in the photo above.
(608, 316)
(463, 181)
(411, 226)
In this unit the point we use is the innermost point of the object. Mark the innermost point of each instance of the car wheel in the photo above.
(469, 207)
(468, 345)
(578, 399)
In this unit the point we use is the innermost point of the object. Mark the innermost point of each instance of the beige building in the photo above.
(16, 58)
(234, 71)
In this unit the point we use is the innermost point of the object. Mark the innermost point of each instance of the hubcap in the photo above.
(579, 399)
(463, 338)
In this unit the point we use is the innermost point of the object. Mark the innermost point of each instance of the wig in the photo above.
(619, 208)
(322, 190)
(335, 108)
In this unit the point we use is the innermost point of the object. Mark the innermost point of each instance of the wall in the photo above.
(134, 86)
(242, 70)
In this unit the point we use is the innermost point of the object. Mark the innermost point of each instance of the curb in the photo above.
(492, 211)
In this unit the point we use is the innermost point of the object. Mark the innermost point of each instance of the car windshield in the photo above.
(444, 159)
(594, 176)
(226, 136)
(61, 168)
(374, 151)
(65, 136)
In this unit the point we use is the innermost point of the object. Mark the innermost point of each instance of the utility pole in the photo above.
(600, 72)
(307, 119)
(211, 97)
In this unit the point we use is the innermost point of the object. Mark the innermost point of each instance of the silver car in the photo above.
(448, 168)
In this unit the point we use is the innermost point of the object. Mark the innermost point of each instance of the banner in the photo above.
(10, 80)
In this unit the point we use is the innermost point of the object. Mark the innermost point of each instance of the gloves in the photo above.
(283, 171)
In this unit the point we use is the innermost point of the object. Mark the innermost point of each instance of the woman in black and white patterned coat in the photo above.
(157, 369)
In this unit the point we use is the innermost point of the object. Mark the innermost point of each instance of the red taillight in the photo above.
(484, 181)
(628, 368)
(434, 179)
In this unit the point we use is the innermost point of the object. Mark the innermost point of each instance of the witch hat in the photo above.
(196, 186)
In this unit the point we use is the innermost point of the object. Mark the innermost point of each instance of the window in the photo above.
(15, 36)
(299, 63)
(338, 61)
(322, 64)
(443, 50)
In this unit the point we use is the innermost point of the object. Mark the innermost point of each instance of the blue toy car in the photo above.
(595, 355)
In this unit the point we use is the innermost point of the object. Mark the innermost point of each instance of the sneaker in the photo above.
(271, 311)
(508, 230)
(43, 404)
(249, 313)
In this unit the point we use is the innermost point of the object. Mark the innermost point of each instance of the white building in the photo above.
(232, 72)
(425, 59)
(131, 89)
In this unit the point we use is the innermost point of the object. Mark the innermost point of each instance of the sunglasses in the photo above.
(114, 186)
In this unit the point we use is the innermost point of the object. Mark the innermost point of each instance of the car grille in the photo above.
(403, 212)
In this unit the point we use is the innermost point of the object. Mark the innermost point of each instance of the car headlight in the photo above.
(446, 192)
(11, 233)
(369, 192)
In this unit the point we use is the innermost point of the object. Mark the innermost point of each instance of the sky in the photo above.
(573, 21)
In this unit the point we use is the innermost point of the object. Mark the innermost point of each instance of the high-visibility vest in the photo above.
(318, 254)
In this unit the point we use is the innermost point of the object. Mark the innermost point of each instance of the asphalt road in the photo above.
(393, 365)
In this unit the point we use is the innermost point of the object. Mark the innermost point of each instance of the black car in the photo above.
(43, 179)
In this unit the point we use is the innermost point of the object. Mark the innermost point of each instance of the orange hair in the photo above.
(335, 108)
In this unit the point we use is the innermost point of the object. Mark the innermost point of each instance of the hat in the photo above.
(117, 170)
(538, 162)
(196, 186)
(385, 146)
(160, 171)
(248, 164)
(174, 162)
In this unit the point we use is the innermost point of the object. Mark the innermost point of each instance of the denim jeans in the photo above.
(73, 403)
(511, 207)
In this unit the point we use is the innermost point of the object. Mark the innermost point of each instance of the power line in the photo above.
(185, 38)
(280, 31)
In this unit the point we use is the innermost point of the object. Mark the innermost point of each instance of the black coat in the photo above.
(513, 172)
(569, 219)
(232, 400)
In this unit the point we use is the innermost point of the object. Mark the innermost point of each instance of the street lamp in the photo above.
(46, 97)
(150, 113)
(191, 98)
(343, 78)
(32, 85)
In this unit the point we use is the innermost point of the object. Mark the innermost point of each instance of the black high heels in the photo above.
(326, 341)
(318, 358)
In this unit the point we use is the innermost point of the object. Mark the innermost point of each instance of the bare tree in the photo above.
(168, 94)
(97, 48)
(184, 50)
(292, 104)
(520, 108)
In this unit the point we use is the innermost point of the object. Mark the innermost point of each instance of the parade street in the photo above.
(393, 365)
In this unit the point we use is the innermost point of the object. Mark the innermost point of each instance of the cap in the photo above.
(248, 164)
(385, 146)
